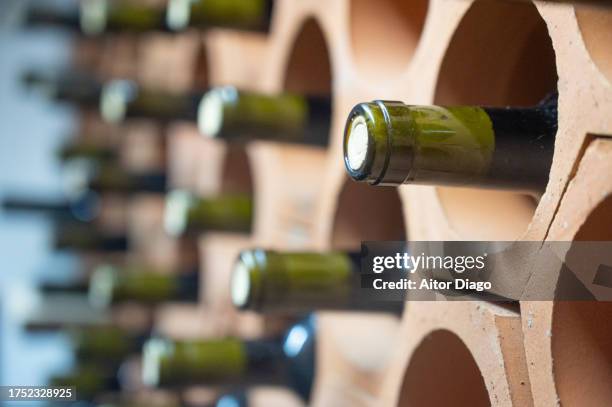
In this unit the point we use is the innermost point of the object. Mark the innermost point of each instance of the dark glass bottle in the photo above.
(88, 381)
(95, 17)
(113, 179)
(186, 214)
(391, 143)
(299, 282)
(75, 87)
(84, 237)
(250, 15)
(110, 285)
(106, 345)
(79, 286)
(289, 361)
(232, 114)
(83, 207)
(88, 150)
(124, 99)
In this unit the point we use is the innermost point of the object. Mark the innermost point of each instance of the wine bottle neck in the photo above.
(116, 180)
(253, 15)
(274, 282)
(229, 113)
(186, 214)
(41, 16)
(123, 100)
(103, 16)
(390, 143)
(110, 285)
(88, 239)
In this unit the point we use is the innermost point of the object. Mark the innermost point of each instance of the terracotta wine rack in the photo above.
(421, 52)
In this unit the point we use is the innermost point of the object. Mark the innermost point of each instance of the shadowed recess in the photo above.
(442, 372)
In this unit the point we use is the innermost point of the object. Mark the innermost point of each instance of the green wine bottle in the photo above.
(391, 143)
(79, 88)
(107, 345)
(77, 286)
(95, 17)
(110, 285)
(250, 15)
(230, 114)
(124, 99)
(186, 214)
(88, 150)
(113, 179)
(288, 361)
(88, 381)
(84, 237)
(82, 207)
(271, 281)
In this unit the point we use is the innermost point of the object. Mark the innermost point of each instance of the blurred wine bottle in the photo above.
(95, 17)
(187, 215)
(232, 114)
(287, 361)
(110, 285)
(88, 238)
(124, 99)
(114, 179)
(77, 286)
(298, 282)
(83, 149)
(89, 381)
(82, 207)
(250, 15)
(66, 86)
(106, 345)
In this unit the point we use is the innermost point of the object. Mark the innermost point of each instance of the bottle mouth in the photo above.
(357, 144)
(102, 286)
(93, 15)
(178, 14)
(379, 143)
(360, 145)
(154, 351)
(177, 207)
(115, 98)
(211, 110)
(241, 285)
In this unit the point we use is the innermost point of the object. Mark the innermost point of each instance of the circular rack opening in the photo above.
(509, 64)
(596, 27)
(442, 372)
(385, 34)
(309, 70)
(581, 332)
(366, 213)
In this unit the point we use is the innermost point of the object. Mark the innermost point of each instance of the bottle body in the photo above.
(390, 143)
(70, 87)
(288, 361)
(188, 215)
(83, 237)
(123, 99)
(116, 180)
(300, 282)
(106, 345)
(110, 285)
(249, 15)
(232, 114)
